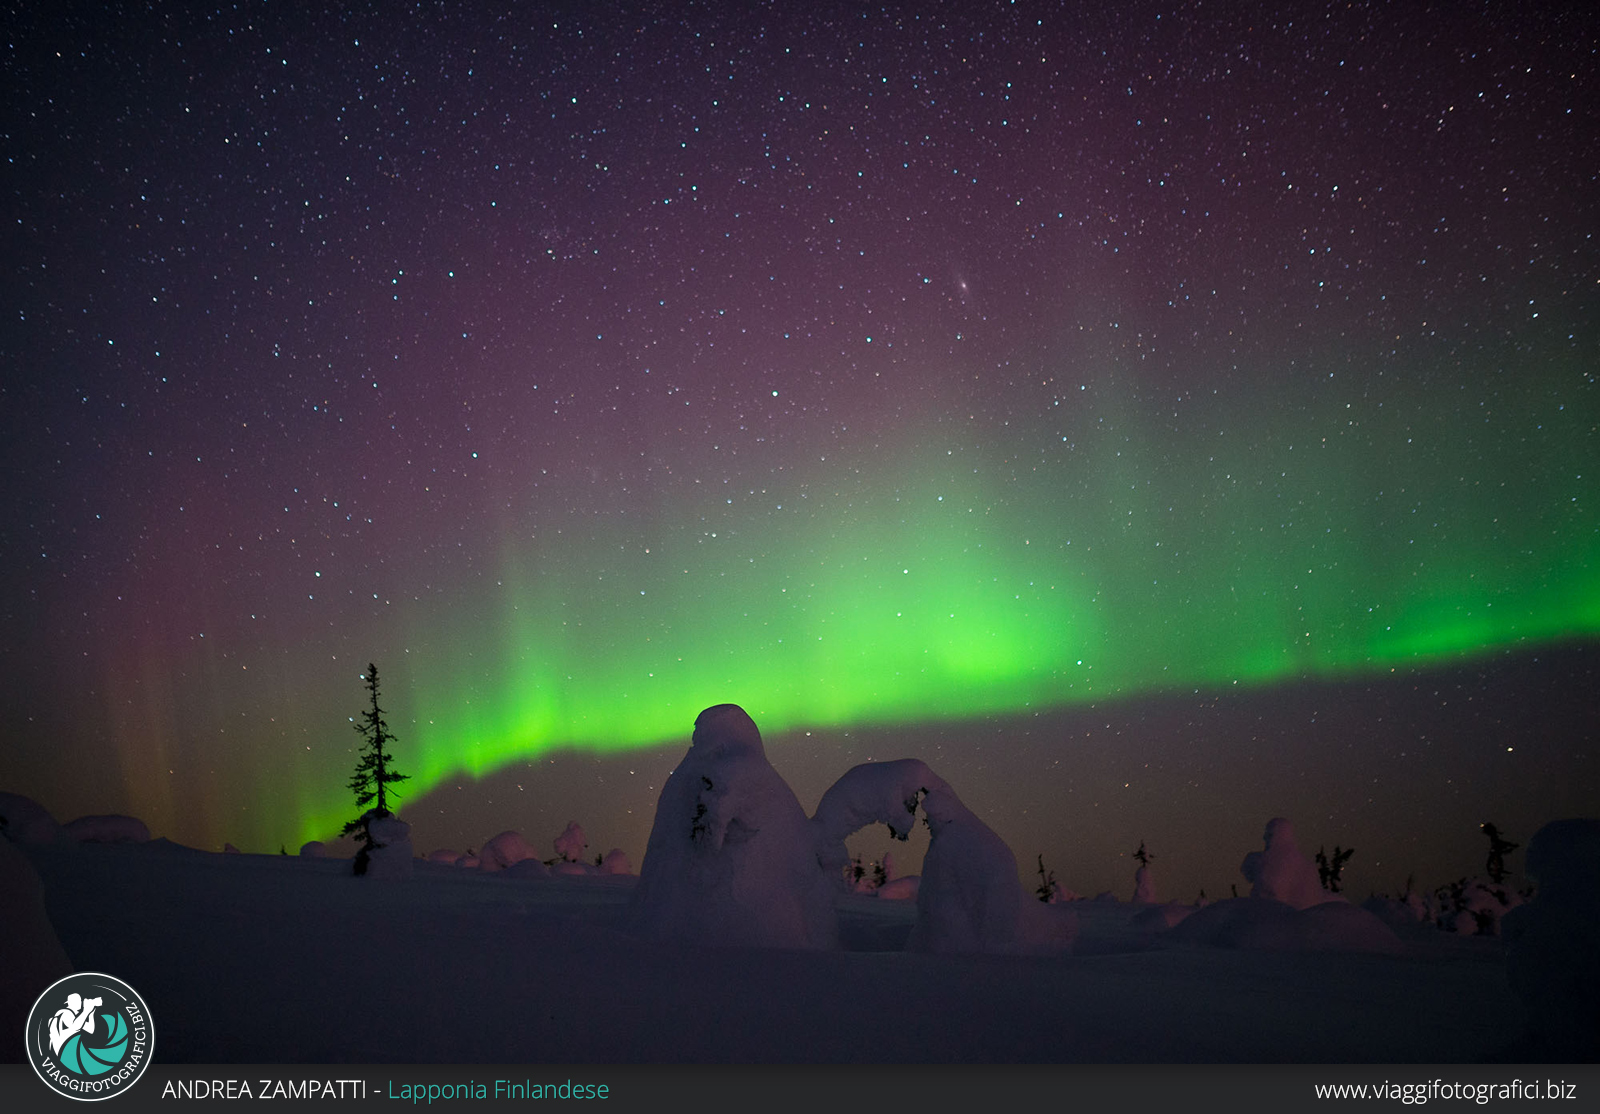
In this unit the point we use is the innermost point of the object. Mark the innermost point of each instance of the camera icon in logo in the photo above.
(90, 1036)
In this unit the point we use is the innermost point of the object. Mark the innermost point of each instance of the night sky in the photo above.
(1155, 418)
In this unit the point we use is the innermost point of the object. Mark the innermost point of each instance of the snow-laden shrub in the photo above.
(616, 862)
(571, 842)
(1551, 956)
(1282, 872)
(861, 877)
(732, 858)
(1144, 887)
(1474, 906)
(313, 849)
(504, 850)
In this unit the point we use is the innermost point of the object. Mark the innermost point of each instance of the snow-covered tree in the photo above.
(732, 857)
(1144, 883)
(1474, 906)
(970, 898)
(571, 842)
(1281, 870)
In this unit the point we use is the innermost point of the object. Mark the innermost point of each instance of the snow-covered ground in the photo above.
(251, 958)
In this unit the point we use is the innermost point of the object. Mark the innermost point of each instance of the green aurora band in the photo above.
(1112, 558)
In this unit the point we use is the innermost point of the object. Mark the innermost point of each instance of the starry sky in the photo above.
(1157, 417)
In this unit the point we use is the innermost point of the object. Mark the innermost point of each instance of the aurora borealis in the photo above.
(873, 368)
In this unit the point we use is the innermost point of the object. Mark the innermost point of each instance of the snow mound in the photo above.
(314, 849)
(1282, 872)
(1394, 913)
(503, 850)
(616, 862)
(24, 820)
(1265, 924)
(900, 889)
(1224, 924)
(571, 842)
(162, 843)
(1551, 959)
(442, 855)
(1333, 926)
(107, 829)
(230, 849)
(1159, 918)
(732, 858)
(527, 868)
(389, 855)
(574, 870)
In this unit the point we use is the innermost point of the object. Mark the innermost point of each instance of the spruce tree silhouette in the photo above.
(1329, 870)
(1495, 865)
(1046, 888)
(374, 772)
